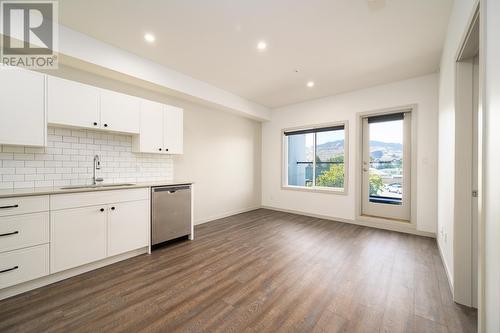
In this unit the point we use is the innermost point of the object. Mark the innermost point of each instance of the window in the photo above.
(315, 158)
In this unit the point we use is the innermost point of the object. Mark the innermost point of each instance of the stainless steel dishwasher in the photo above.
(171, 212)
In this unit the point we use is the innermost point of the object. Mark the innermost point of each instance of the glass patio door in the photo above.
(386, 166)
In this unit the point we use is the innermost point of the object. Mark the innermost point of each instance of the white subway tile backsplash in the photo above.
(34, 177)
(12, 164)
(43, 157)
(24, 184)
(6, 185)
(68, 160)
(15, 178)
(24, 171)
(6, 156)
(34, 164)
(24, 157)
(13, 149)
(53, 176)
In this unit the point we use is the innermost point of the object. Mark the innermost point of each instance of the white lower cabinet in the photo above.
(108, 224)
(79, 229)
(23, 265)
(78, 237)
(128, 226)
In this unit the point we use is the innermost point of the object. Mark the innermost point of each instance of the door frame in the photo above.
(470, 43)
(377, 209)
(390, 223)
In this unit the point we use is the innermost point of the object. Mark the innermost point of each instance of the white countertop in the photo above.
(22, 192)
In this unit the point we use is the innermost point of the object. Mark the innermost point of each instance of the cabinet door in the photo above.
(72, 103)
(151, 135)
(173, 130)
(22, 108)
(78, 237)
(128, 226)
(120, 112)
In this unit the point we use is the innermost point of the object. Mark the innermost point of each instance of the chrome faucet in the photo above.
(97, 166)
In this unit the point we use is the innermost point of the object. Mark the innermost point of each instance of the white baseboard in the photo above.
(223, 215)
(378, 225)
(49, 279)
(447, 270)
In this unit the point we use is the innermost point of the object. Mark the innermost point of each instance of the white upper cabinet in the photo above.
(30, 100)
(173, 130)
(79, 105)
(72, 103)
(120, 112)
(161, 129)
(22, 108)
(150, 139)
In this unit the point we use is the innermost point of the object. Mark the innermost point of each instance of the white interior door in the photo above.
(386, 166)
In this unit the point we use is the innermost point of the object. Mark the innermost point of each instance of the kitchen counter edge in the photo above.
(26, 192)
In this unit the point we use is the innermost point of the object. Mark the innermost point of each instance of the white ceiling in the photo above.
(341, 45)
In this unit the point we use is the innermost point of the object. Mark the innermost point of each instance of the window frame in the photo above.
(314, 188)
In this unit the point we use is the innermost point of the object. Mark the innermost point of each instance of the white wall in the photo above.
(462, 11)
(491, 109)
(459, 17)
(222, 156)
(421, 91)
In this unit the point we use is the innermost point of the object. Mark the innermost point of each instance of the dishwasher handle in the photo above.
(171, 189)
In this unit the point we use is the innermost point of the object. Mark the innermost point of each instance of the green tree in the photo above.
(332, 177)
(376, 184)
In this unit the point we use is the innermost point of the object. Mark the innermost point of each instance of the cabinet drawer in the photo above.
(21, 231)
(24, 205)
(74, 200)
(23, 265)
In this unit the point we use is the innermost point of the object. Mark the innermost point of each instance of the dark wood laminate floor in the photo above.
(261, 271)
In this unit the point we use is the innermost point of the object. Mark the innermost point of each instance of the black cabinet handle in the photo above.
(105, 125)
(12, 206)
(102, 209)
(166, 149)
(95, 124)
(159, 149)
(9, 269)
(9, 233)
(112, 208)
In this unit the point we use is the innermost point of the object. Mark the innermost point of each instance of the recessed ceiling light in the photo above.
(150, 38)
(310, 84)
(261, 46)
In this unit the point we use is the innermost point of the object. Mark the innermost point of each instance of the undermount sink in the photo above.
(95, 186)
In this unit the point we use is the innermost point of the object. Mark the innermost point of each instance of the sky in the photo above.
(390, 131)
